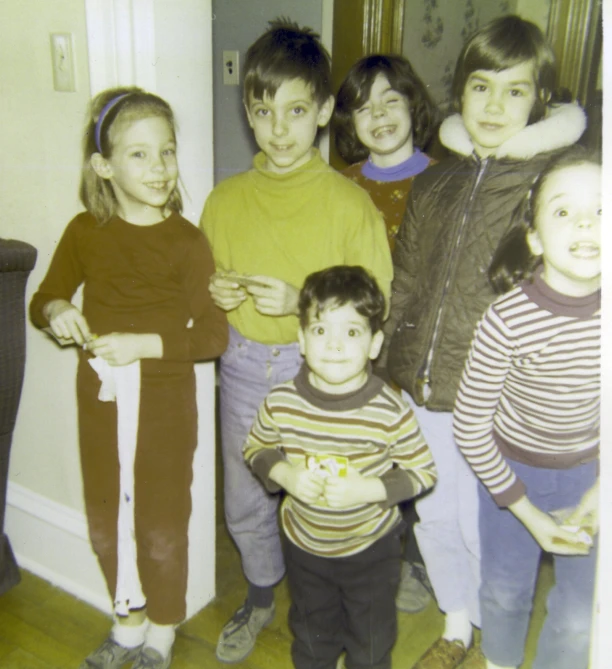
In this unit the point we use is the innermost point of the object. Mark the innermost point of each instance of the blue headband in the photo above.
(103, 114)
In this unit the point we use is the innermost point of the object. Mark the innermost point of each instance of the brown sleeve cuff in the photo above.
(261, 465)
(398, 484)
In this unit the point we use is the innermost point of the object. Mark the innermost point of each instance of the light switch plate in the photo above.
(62, 60)
(231, 72)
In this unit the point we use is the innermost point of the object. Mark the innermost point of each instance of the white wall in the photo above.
(40, 165)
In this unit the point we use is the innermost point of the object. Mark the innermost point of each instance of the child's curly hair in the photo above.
(340, 285)
(355, 91)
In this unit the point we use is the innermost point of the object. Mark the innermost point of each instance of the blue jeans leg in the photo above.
(248, 371)
(510, 559)
(509, 567)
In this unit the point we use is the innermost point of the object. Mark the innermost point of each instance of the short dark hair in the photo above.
(513, 260)
(340, 285)
(284, 52)
(504, 43)
(355, 91)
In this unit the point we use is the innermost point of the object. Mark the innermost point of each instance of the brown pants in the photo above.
(167, 436)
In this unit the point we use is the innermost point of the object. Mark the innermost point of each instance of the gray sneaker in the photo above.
(238, 637)
(110, 655)
(412, 596)
(149, 658)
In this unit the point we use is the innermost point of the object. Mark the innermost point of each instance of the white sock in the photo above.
(457, 625)
(161, 638)
(129, 636)
(490, 665)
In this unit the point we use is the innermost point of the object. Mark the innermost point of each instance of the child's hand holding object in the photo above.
(67, 324)
(273, 297)
(353, 489)
(586, 514)
(563, 539)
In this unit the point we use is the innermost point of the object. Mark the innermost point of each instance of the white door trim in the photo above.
(121, 43)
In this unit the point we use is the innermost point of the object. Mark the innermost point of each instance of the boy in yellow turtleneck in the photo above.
(289, 216)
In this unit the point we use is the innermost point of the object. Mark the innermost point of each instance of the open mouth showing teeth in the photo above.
(157, 185)
(381, 132)
(585, 250)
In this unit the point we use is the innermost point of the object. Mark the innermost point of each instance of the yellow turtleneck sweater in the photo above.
(287, 226)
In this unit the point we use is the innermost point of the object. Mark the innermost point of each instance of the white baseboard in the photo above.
(50, 540)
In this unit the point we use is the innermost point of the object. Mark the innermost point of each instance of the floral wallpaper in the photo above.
(435, 31)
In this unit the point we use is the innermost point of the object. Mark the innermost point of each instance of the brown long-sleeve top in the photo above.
(139, 279)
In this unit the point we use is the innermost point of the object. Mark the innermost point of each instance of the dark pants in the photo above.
(344, 604)
(411, 551)
(167, 436)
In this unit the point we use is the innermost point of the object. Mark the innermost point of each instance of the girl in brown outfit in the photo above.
(147, 316)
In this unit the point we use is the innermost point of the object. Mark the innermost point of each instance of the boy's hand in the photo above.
(552, 537)
(353, 489)
(226, 294)
(122, 348)
(299, 482)
(67, 322)
(586, 514)
(275, 297)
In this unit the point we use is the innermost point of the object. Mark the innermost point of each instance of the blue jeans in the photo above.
(510, 560)
(247, 373)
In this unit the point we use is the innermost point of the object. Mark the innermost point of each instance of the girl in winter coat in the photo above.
(457, 212)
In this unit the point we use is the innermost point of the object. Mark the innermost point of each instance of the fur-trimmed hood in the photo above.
(563, 126)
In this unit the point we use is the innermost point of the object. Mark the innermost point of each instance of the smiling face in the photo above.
(337, 344)
(568, 229)
(286, 125)
(497, 105)
(384, 124)
(142, 168)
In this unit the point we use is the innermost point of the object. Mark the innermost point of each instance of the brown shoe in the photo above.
(474, 659)
(442, 655)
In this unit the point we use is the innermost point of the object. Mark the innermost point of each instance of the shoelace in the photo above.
(241, 617)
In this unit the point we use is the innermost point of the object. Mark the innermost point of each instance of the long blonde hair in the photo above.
(108, 107)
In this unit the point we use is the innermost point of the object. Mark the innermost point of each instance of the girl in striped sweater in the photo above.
(527, 420)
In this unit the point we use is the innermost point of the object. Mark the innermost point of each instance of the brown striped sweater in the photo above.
(372, 427)
(530, 390)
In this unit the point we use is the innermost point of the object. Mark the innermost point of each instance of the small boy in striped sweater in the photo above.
(346, 449)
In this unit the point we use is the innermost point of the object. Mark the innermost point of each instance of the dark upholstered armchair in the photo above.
(16, 261)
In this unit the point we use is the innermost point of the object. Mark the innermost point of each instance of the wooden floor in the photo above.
(42, 627)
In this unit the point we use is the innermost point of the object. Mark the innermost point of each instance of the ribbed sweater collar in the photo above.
(557, 303)
(345, 402)
(412, 166)
(302, 177)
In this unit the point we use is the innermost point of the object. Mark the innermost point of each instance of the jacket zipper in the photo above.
(423, 375)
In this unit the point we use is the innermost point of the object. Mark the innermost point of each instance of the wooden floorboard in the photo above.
(42, 627)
